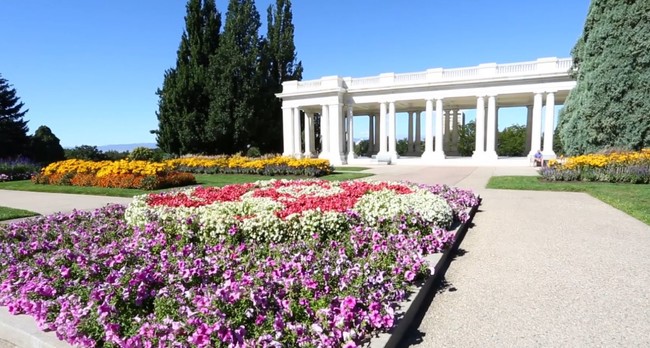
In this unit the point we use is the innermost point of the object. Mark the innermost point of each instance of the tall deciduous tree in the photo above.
(45, 146)
(237, 78)
(611, 63)
(512, 141)
(13, 129)
(278, 64)
(184, 104)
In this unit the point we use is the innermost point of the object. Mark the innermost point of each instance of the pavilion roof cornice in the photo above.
(543, 68)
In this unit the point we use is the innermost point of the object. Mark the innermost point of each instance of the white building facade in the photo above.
(437, 95)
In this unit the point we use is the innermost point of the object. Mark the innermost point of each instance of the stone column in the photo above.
(324, 132)
(308, 134)
(297, 146)
(445, 129)
(371, 135)
(548, 125)
(409, 140)
(490, 148)
(455, 131)
(287, 131)
(383, 132)
(312, 135)
(428, 130)
(350, 133)
(529, 128)
(479, 150)
(392, 131)
(336, 134)
(535, 142)
(377, 140)
(439, 152)
(418, 135)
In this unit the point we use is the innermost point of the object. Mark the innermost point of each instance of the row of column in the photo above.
(337, 130)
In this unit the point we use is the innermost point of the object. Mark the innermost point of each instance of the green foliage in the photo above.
(13, 129)
(402, 147)
(558, 148)
(85, 152)
(220, 96)
(611, 63)
(512, 141)
(277, 64)
(45, 147)
(235, 96)
(253, 152)
(361, 148)
(113, 155)
(467, 139)
(144, 154)
(184, 99)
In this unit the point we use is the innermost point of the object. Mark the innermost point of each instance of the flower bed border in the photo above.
(416, 307)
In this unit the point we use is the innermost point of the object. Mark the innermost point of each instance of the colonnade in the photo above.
(337, 129)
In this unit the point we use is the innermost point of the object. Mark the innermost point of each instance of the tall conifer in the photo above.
(184, 103)
(611, 63)
(278, 64)
(238, 82)
(13, 129)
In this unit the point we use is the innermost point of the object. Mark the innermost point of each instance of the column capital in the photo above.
(551, 91)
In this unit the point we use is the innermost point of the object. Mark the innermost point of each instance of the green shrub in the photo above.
(145, 154)
(253, 152)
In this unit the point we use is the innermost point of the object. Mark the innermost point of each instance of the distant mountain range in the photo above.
(125, 147)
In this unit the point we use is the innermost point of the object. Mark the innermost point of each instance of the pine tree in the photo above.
(236, 73)
(608, 108)
(184, 100)
(13, 129)
(278, 64)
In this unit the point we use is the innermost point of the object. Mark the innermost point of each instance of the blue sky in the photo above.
(90, 69)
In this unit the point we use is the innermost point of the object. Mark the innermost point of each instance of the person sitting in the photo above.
(538, 159)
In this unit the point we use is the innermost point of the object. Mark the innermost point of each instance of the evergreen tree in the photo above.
(237, 77)
(184, 103)
(278, 64)
(611, 63)
(13, 129)
(46, 147)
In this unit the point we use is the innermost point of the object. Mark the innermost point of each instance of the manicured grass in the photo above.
(633, 199)
(221, 180)
(350, 169)
(202, 179)
(27, 185)
(7, 213)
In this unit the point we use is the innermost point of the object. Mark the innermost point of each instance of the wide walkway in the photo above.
(49, 203)
(537, 269)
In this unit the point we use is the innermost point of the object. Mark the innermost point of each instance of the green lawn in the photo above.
(350, 169)
(202, 179)
(7, 213)
(634, 199)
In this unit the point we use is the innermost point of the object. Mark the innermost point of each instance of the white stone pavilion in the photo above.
(438, 95)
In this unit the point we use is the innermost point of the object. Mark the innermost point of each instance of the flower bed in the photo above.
(623, 167)
(118, 174)
(275, 165)
(280, 210)
(100, 281)
(18, 169)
